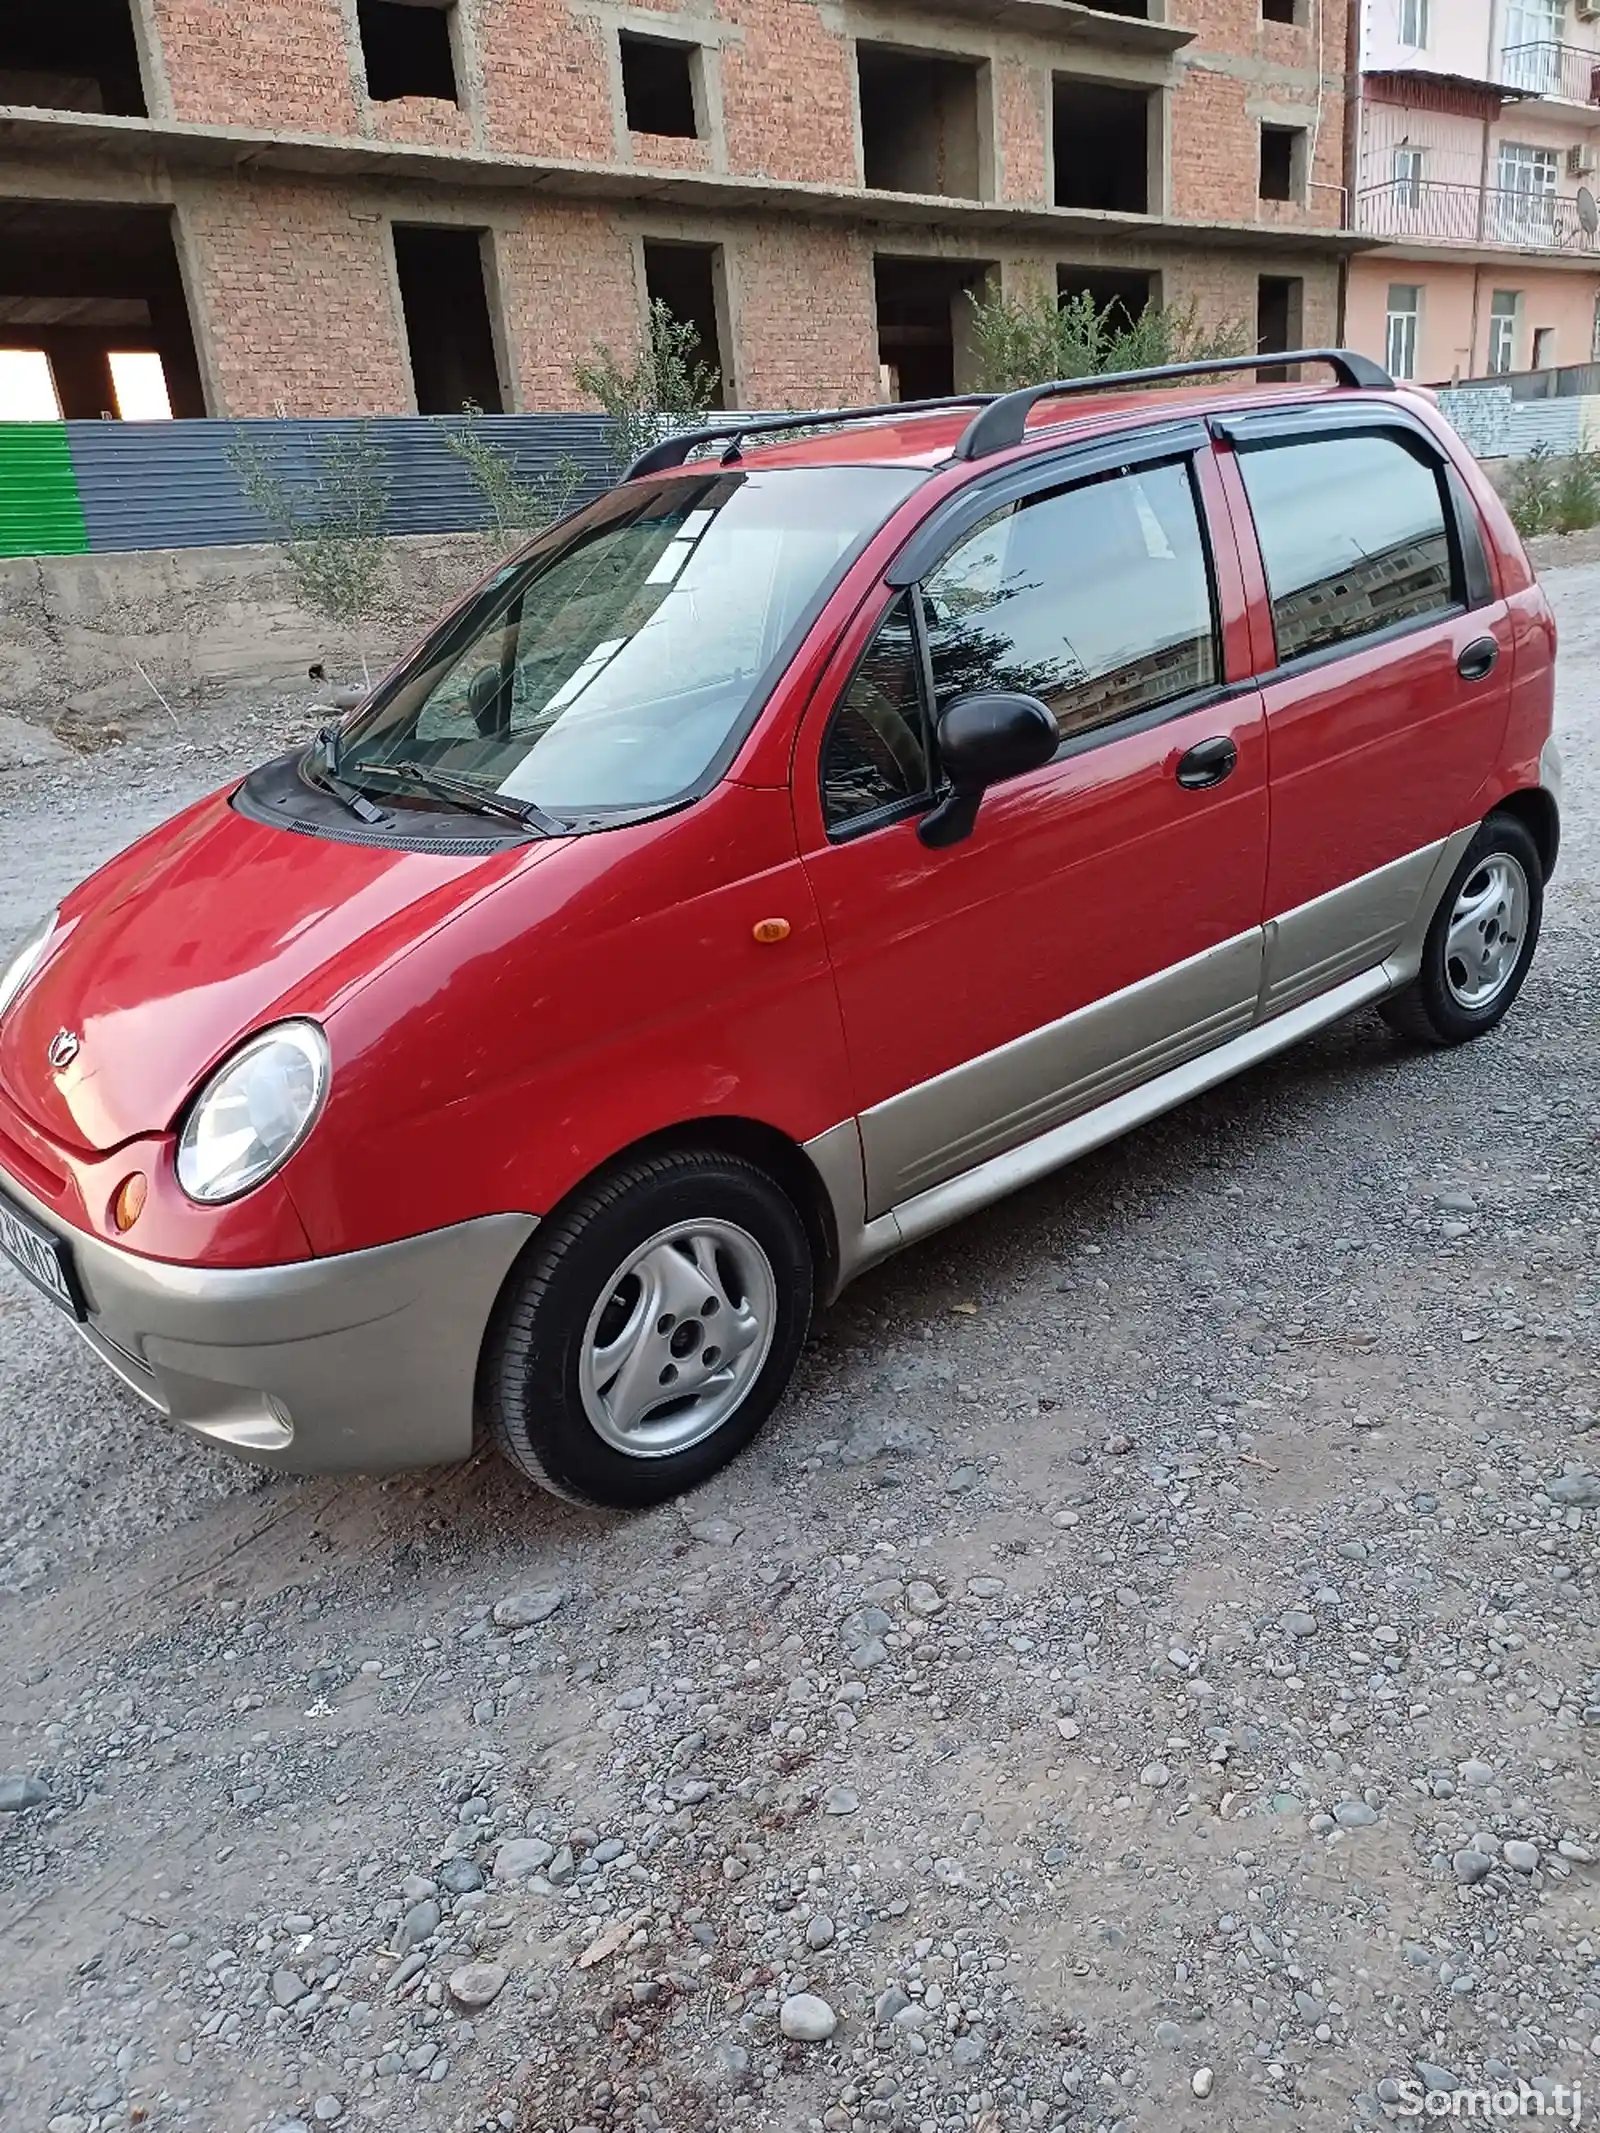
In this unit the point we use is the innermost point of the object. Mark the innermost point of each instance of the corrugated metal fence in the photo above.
(67, 488)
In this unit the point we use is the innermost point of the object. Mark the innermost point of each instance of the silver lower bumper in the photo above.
(362, 1362)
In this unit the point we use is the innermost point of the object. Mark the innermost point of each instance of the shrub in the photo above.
(328, 525)
(516, 507)
(661, 383)
(1033, 337)
(1529, 493)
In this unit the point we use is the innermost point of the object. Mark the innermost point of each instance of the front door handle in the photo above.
(1479, 660)
(1207, 763)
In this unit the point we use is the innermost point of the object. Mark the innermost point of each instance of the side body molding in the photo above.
(1124, 1060)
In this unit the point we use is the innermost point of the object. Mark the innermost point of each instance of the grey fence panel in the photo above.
(177, 484)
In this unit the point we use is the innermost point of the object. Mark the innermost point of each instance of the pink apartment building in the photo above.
(1475, 140)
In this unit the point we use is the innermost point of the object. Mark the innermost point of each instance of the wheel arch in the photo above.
(784, 1161)
(1539, 815)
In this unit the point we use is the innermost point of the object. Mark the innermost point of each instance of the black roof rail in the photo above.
(1004, 421)
(673, 451)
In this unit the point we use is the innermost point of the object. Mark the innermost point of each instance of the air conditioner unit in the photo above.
(1588, 10)
(1580, 162)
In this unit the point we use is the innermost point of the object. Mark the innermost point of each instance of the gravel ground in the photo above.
(1146, 1676)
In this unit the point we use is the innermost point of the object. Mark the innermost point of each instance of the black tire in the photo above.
(530, 1385)
(1429, 1010)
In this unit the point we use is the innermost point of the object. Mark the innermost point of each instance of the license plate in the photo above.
(45, 1260)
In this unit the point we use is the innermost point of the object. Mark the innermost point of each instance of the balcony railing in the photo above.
(1433, 211)
(1546, 68)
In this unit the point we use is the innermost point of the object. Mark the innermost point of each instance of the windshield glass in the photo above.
(608, 670)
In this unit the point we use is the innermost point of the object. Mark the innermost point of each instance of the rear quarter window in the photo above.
(1354, 536)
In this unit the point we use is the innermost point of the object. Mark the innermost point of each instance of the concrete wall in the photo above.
(201, 622)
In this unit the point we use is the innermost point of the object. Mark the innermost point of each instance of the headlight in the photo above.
(254, 1112)
(26, 960)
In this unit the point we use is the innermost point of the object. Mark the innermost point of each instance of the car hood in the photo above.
(198, 934)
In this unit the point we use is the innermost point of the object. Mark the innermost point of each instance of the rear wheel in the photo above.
(1480, 943)
(651, 1331)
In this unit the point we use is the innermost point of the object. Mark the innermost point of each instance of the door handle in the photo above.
(1207, 763)
(1479, 660)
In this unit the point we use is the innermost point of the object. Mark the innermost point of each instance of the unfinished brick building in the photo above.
(342, 206)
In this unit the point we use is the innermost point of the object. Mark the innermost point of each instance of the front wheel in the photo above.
(1480, 943)
(651, 1331)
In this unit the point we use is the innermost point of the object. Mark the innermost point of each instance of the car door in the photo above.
(1102, 920)
(1386, 659)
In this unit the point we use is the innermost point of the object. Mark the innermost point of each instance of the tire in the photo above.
(1499, 890)
(692, 1262)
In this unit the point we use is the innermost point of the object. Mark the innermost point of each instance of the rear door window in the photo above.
(1354, 536)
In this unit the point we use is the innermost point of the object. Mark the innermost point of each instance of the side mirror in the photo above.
(983, 740)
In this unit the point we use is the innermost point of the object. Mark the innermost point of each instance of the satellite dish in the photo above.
(1588, 210)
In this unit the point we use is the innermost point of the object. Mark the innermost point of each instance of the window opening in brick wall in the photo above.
(27, 386)
(1282, 162)
(924, 325)
(1102, 139)
(407, 49)
(444, 295)
(685, 278)
(83, 284)
(1282, 10)
(919, 123)
(658, 86)
(1280, 310)
(1126, 294)
(139, 385)
(78, 55)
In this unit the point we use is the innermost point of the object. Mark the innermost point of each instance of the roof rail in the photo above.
(673, 451)
(1004, 421)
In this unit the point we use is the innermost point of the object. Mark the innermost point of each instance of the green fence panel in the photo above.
(40, 512)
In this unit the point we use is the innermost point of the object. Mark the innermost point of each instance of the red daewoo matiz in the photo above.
(789, 852)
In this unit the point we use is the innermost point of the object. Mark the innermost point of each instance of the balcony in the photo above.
(1430, 211)
(1570, 73)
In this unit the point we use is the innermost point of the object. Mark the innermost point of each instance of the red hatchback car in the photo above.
(790, 851)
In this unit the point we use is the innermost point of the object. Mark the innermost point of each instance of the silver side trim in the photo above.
(929, 1211)
(1405, 958)
(1353, 927)
(945, 1126)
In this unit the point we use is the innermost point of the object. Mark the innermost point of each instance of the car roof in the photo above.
(926, 441)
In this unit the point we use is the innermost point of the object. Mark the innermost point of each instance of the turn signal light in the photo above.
(770, 929)
(128, 1205)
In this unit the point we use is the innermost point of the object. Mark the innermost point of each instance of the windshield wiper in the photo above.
(468, 793)
(326, 774)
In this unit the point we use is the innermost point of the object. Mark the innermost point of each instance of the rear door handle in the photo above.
(1207, 763)
(1479, 660)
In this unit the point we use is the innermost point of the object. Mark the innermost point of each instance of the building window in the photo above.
(1280, 309)
(1523, 210)
(444, 296)
(27, 386)
(658, 86)
(1544, 347)
(921, 122)
(1404, 316)
(1352, 532)
(688, 279)
(1414, 22)
(1505, 309)
(1281, 11)
(407, 49)
(83, 57)
(1408, 166)
(1105, 142)
(1594, 342)
(1283, 162)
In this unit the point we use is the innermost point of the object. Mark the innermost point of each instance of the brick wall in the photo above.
(568, 280)
(280, 64)
(546, 84)
(803, 307)
(296, 301)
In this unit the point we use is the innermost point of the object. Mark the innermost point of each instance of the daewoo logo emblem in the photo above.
(64, 1048)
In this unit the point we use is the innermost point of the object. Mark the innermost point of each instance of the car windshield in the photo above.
(609, 669)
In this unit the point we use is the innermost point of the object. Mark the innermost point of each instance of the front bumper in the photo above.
(364, 1362)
